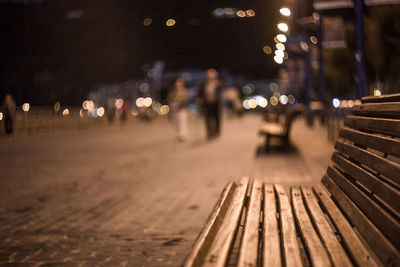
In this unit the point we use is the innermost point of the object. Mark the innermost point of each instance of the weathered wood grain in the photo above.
(271, 241)
(332, 244)
(354, 245)
(384, 191)
(207, 234)
(288, 231)
(313, 245)
(382, 247)
(386, 126)
(382, 98)
(248, 254)
(383, 221)
(388, 109)
(381, 143)
(219, 250)
(388, 168)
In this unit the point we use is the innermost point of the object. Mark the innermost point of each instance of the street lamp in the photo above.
(283, 27)
(285, 11)
(281, 38)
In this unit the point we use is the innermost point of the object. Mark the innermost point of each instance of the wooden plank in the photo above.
(248, 254)
(357, 250)
(377, 125)
(388, 168)
(387, 193)
(316, 251)
(391, 109)
(382, 220)
(290, 246)
(380, 143)
(271, 244)
(207, 234)
(218, 253)
(387, 252)
(382, 98)
(336, 252)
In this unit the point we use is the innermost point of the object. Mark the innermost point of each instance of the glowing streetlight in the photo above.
(281, 38)
(285, 11)
(278, 60)
(170, 22)
(279, 53)
(280, 46)
(283, 27)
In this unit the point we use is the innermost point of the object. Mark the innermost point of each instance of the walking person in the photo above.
(178, 98)
(209, 99)
(9, 114)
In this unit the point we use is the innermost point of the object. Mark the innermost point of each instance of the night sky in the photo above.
(53, 50)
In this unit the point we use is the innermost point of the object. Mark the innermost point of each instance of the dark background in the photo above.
(47, 56)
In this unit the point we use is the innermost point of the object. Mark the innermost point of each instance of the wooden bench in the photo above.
(351, 219)
(279, 127)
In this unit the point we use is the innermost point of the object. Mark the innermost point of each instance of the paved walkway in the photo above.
(133, 195)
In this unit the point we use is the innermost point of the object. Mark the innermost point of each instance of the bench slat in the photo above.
(389, 127)
(206, 235)
(313, 244)
(384, 222)
(384, 166)
(376, 109)
(356, 248)
(223, 242)
(336, 252)
(380, 143)
(383, 98)
(288, 231)
(272, 247)
(387, 193)
(376, 240)
(248, 254)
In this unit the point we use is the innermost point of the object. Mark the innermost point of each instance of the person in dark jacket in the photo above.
(209, 100)
(9, 113)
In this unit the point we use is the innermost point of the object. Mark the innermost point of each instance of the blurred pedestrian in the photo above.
(111, 110)
(178, 99)
(209, 100)
(9, 113)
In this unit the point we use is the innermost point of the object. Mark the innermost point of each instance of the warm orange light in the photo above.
(283, 27)
(267, 50)
(250, 13)
(241, 14)
(147, 21)
(170, 22)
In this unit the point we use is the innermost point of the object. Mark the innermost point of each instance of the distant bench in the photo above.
(279, 127)
(351, 218)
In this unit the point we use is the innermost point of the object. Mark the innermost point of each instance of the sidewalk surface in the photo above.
(133, 195)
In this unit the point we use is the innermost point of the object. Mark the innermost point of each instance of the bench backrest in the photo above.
(364, 177)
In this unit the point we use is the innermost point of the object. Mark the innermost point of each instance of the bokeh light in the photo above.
(335, 102)
(164, 109)
(250, 13)
(139, 102)
(285, 11)
(240, 14)
(147, 102)
(267, 50)
(147, 21)
(281, 38)
(170, 22)
(26, 107)
(283, 27)
(280, 46)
